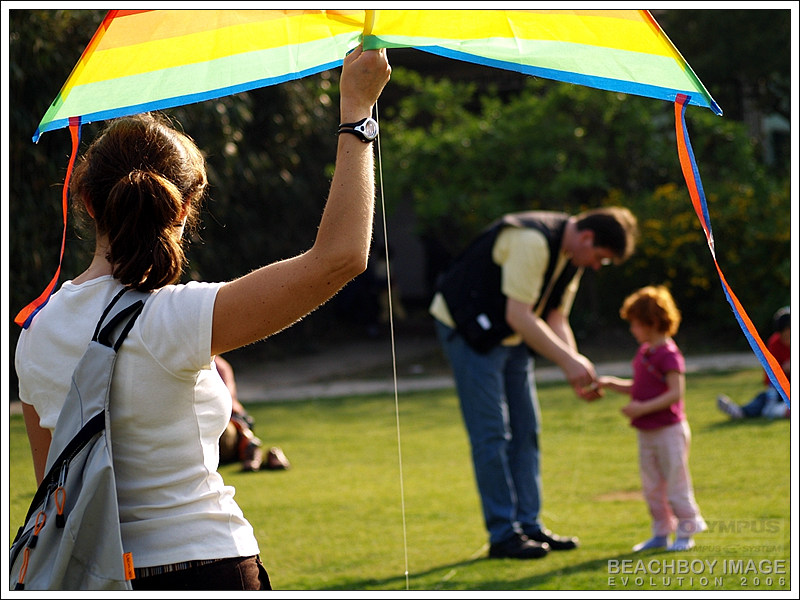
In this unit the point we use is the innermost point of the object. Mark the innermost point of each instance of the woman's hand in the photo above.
(364, 75)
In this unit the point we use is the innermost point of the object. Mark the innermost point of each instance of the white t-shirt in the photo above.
(168, 409)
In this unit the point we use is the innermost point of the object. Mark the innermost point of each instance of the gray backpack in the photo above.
(71, 536)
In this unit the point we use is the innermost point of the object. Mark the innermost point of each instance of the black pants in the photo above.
(240, 573)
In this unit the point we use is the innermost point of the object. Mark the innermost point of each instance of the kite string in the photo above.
(394, 353)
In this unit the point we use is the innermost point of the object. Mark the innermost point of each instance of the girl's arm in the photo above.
(616, 384)
(676, 383)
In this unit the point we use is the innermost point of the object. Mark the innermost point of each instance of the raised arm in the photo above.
(275, 296)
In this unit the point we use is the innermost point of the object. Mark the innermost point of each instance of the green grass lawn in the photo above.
(343, 518)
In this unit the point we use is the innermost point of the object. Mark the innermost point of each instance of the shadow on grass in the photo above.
(755, 422)
(544, 580)
(399, 582)
(441, 572)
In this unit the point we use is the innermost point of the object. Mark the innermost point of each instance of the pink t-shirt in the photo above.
(650, 367)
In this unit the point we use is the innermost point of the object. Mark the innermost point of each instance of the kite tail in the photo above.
(692, 177)
(25, 316)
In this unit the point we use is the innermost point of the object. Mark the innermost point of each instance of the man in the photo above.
(506, 298)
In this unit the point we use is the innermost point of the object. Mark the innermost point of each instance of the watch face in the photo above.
(370, 129)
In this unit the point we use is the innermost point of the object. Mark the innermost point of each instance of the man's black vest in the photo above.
(471, 285)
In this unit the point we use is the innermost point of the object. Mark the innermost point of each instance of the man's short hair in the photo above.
(614, 227)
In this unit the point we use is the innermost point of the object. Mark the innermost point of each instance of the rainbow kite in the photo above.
(139, 61)
(145, 60)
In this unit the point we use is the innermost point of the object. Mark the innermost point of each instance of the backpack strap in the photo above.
(120, 314)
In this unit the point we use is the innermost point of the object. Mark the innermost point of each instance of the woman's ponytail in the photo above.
(141, 181)
(144, 254)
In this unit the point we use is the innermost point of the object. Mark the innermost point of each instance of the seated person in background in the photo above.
(238, 442)
(768, 403)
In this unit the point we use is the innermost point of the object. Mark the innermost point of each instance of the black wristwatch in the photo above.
(366, 129)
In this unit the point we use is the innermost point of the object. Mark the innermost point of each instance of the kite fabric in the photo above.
(146, 60)
(615, 50)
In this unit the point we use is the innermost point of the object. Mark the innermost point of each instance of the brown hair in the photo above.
(615, 228)
(653, 305)
(136, 181)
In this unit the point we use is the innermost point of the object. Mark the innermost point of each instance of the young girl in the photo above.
(656, 409)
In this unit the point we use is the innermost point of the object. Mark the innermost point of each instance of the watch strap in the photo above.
(351, 125)
(356, 129)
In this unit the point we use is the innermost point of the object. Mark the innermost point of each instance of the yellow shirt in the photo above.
(523, 255)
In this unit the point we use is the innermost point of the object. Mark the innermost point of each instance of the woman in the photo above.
(141, 182)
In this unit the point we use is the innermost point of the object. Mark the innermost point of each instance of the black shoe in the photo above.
(518, 546)
(556, 542)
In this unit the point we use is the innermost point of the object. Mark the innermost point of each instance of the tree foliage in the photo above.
(743, 55)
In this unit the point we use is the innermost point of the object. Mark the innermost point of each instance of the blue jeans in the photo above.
(501, 414)
(756, 406)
